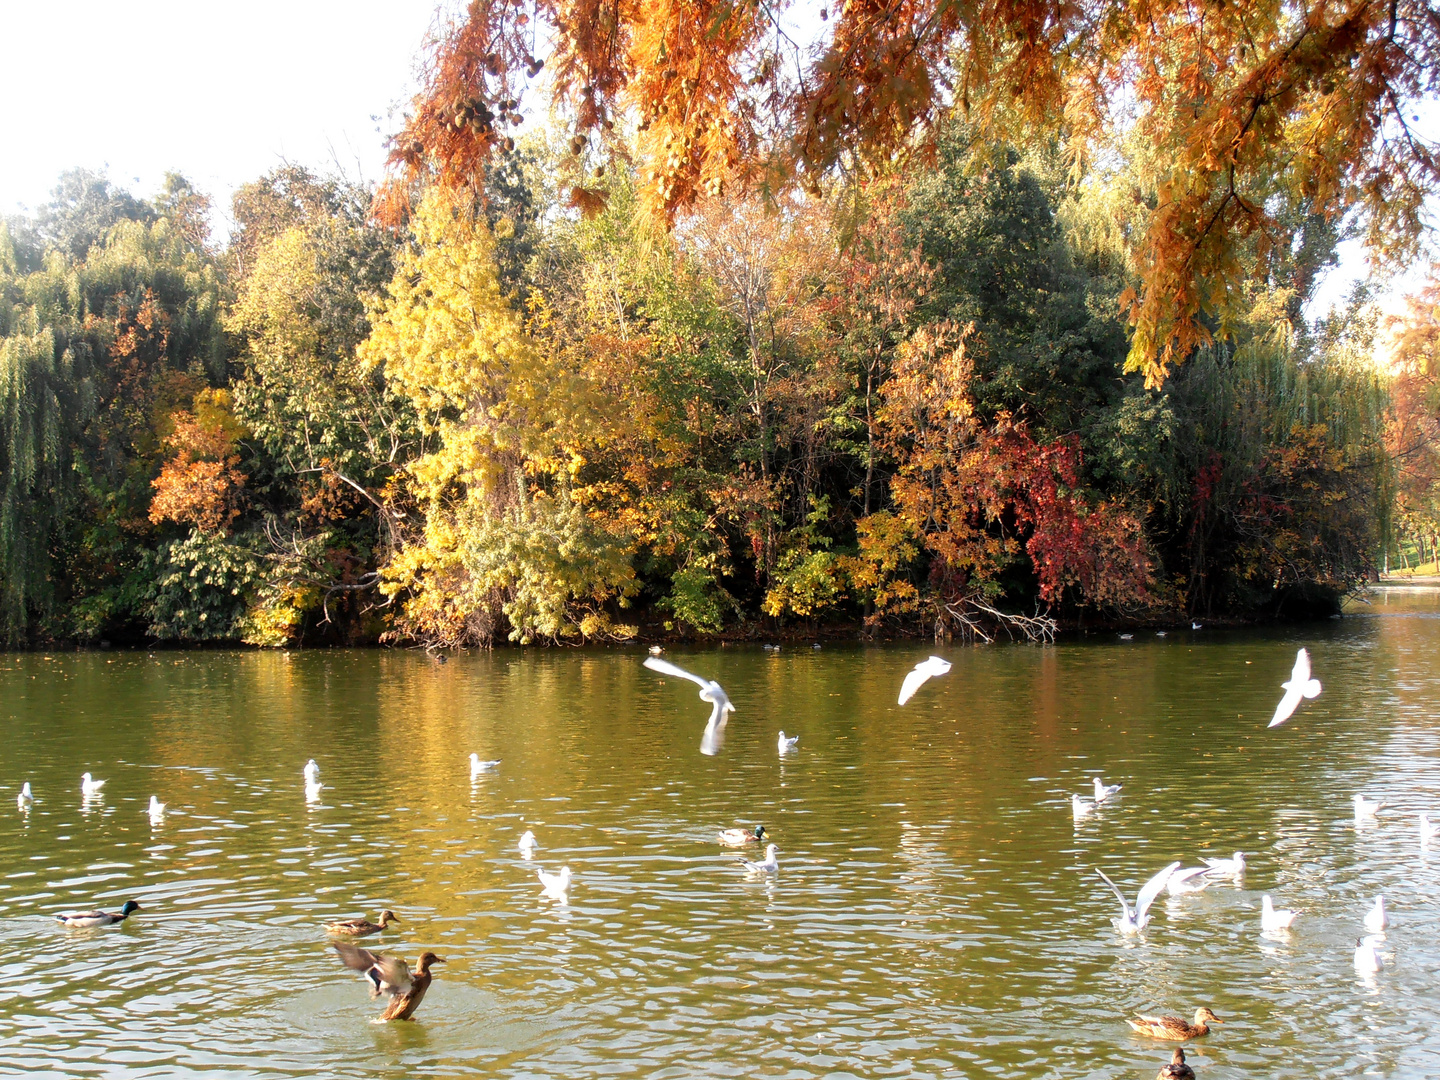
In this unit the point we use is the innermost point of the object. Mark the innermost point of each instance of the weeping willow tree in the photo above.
(1274, 483)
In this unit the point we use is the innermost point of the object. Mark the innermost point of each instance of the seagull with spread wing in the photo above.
(710, 692)
(1301, 685)
(1133, 920)
(923, 672)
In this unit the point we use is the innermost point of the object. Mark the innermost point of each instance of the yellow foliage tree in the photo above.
(502, 541)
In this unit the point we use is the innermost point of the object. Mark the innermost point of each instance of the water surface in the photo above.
(936, 914)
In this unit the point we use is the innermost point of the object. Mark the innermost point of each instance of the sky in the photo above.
(221, 92)
(224, 92)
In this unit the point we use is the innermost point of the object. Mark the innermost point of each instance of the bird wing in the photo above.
(1288, 704)
(1181, 876)
(1151, 889)
(1124, 904)
(714, 736)
(913, 681)
(1300, 673)
(394, 973)
(664, 667)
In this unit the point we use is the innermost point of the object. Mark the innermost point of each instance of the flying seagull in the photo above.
(1301, 685)
(924, 671)
(1133, 920)
(711, 692)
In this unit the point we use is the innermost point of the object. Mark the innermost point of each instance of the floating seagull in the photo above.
(391, 976)
(90, 789)
(1104, 791)
(768, 865)
(923, 671)
(477, 766)
(528, 844)
(1367, 957)
(1159, 633)
(99, 918)
(312, 791)
(24, 799)
(1194, 626)
(1133, 921)
(1126, 637)
(556, 886)
(1079, 807)
(711, 692)
(741, 837)
(1366, 808)
(786, 745)
(312, 772)
(1427, 829)
(1301, 685)
(1234, 868)
(1272, 920)
(1377, 919)
(1188, 880)
(156, 809)
(1177, 1069)
(362, 927)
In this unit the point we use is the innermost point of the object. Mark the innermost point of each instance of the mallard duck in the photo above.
(1177, 1069)
(768, 865)
(99, 918)
(90, 788)
(361, 927)
(1172, 1027)
(391, 976)
(741, 837)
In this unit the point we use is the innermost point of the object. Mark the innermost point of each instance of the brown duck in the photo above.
(361, 927)
(391, 976)
(1177, 1069)
(1172, 1027)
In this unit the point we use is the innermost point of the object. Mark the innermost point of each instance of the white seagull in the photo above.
(1234, 868)
(312, 772)
(1104, 791)
(1367, 957)
(312, 791)
(711, 692)
(1366, 808)
(1377, 919)
(1079, 807)
(925, 670)
(528, 844)
(1189, 880)
(1272, 920)
(156, 809)
(556, 886)
(786, 745)
(89, 788)
(24, 799)
(767, 865)
(1301, 685)
(1427, 828)
(1133, 920)
(477, 766)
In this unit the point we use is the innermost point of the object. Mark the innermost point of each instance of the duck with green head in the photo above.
(99, 918)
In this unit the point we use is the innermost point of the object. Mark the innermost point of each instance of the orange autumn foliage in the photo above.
(201, 484)
(1243, 108)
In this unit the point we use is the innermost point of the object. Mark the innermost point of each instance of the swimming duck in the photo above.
(1177, 1069)
(477, 766)
(1272, 920)
(1104, 791)
(391, 976)
(361, 927)
(786, 745)
(741, 837)
(528, 844)
(768, 865)
(556, 886)
(99, 918)
(24, 799)
(1173, 1027)
(89, 788)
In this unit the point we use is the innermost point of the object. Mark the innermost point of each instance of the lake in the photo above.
(936, 912)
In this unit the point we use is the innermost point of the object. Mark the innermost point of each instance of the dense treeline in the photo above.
(901, 408)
